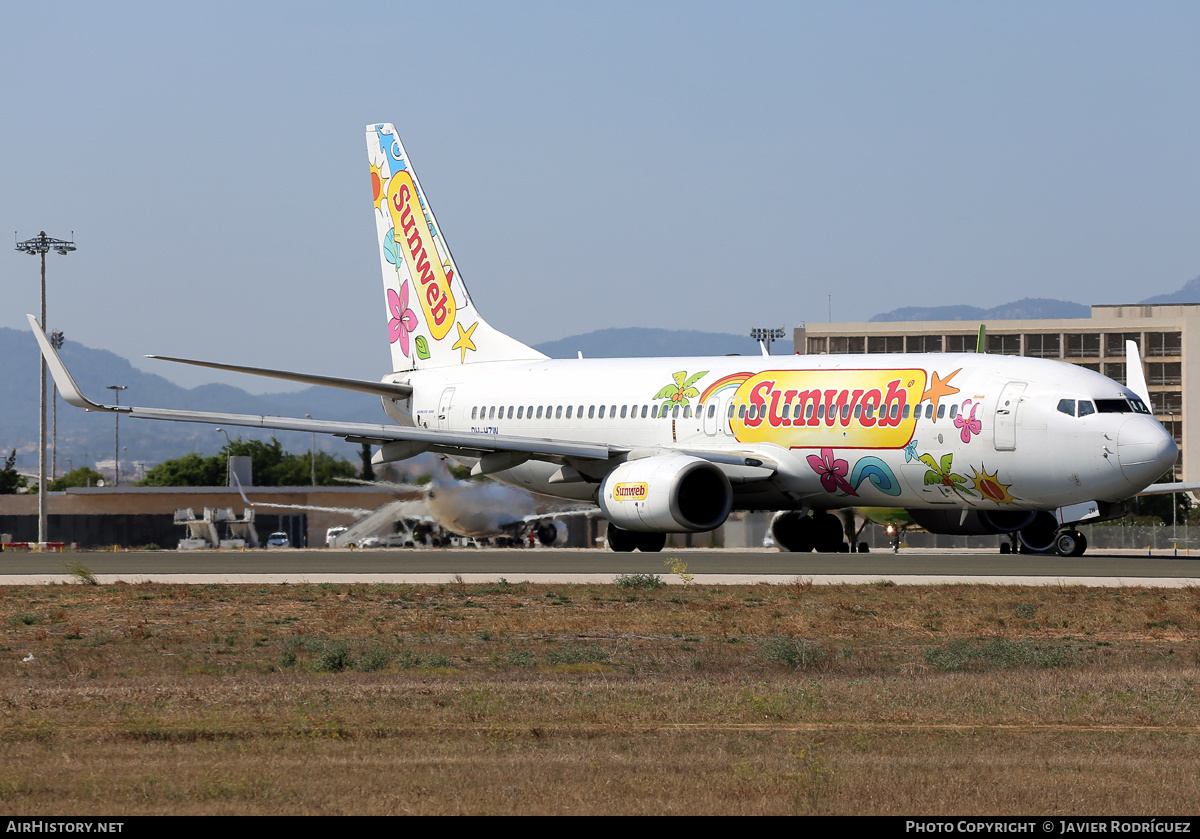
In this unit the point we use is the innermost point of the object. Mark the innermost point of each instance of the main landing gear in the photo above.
(1063, 542)
(1070, 543)
(822, 532)
(625, 541)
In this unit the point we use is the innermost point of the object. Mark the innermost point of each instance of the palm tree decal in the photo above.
(939, 473)
(682, 389)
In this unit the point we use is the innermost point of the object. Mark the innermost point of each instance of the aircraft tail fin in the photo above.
(431, 319)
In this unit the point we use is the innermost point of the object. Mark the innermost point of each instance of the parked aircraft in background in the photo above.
(485, 510)
(966, 443)
(478, 509)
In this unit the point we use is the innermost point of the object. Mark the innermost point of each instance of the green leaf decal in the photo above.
(422, 347)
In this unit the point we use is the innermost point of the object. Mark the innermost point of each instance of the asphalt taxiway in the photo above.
(708, 566)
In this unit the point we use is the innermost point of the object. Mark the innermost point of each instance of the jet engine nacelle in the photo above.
(975, 523)
(666, 494)
(551, 533)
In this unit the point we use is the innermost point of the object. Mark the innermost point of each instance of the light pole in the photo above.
(116, 389)
(43, 244)
(766, 336)
(56, 340)
(312, 454)
(228, 454)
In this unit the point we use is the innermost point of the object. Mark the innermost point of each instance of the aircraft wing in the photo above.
(451, 442)
(1178, 486)
(740, 466)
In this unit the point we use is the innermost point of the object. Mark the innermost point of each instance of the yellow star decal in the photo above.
(464, 341)
(938, 388)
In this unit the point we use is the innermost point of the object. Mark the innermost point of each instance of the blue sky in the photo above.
(685, 165)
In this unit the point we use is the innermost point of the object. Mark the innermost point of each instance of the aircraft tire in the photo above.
(1070, 543)
(621, 541)
(1066, 543)
(650, 543)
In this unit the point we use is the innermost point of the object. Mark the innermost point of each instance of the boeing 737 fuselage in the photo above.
(967, 443)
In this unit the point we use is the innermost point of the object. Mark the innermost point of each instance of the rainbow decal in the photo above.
(821, 409)
(732, 381)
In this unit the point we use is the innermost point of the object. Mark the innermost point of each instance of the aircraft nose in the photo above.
(1145, 450)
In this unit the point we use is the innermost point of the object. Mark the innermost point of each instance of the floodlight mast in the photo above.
(41, 245)
(766, 336)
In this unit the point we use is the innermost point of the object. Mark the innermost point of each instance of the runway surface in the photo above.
(560, 566)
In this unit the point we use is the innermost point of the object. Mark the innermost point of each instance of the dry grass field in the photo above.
(522, 698)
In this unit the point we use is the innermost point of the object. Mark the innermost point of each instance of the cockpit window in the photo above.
(1086, 408)
(1121, 406)
(1066, 406)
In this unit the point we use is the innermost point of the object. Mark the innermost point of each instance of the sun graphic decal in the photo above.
(990, 487)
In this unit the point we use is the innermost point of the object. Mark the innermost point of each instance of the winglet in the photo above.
(66, 385)
(981, 339)
(1135, 377)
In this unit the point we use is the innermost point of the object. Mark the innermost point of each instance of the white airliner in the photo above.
(968, 443)
(479, 509)
(483, 509)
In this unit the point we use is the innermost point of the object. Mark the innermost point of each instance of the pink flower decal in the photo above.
(404, 319)
(833, 472)
(969, 425)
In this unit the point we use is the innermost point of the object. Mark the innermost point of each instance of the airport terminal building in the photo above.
(1164, 334)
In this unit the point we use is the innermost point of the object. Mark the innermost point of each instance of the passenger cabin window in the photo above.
(558, 412)
(953, 411)
(474, 413)
(591, 411)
